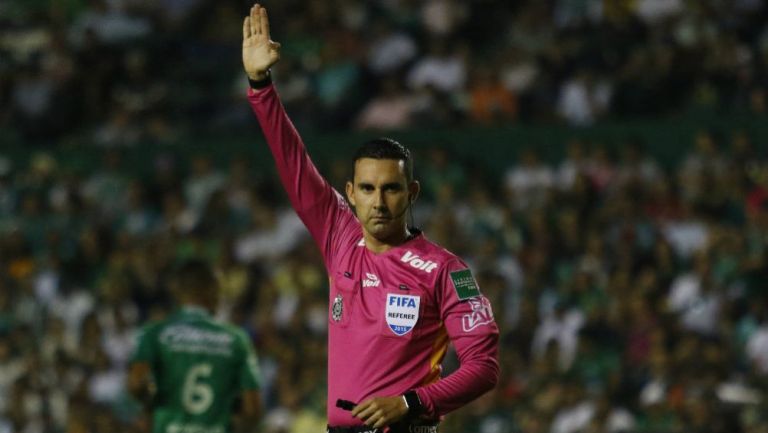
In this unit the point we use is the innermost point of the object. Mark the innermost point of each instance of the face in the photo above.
(380, 193)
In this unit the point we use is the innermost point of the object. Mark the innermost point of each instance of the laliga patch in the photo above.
(482, 314)
(465, 284)
(402, 312)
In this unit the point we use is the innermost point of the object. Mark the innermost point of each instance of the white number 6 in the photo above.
(197, 396)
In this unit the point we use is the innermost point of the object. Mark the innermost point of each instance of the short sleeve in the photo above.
(146, 347)
(249, 375)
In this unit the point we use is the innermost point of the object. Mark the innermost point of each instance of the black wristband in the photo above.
(260, 84)
(413, 401)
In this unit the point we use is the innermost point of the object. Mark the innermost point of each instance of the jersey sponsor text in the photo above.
(417, 262)
(185, 338)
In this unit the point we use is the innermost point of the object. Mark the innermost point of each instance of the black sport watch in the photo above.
(412, 400)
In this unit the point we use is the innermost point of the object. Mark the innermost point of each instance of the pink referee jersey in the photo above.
(392, 315)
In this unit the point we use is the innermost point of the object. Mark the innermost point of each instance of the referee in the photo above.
(396, 299)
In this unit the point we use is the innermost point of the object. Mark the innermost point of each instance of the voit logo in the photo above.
(417, 262)
(371, 280)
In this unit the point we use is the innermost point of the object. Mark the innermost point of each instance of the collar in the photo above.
(193, 310)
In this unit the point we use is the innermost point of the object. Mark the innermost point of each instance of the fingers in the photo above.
(257, 23)
(274, 50)
(382, 422)
(363, 410)
(371, 413)
(378, 419)
(359, 408)
(255, 20)
(247, 28)
(264, 22)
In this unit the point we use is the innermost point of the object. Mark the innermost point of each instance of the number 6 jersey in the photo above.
(200, 366)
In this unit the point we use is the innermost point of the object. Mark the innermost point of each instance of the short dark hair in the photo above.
(386, 148)
(194, 276)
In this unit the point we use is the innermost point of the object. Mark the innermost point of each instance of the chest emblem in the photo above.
(371, 280)
(337, 308)
(402, 312)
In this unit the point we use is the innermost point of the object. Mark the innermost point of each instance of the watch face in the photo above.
(338, 308)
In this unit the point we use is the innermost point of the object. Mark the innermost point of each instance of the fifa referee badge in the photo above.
(338, 308)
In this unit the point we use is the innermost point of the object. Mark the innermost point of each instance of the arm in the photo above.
(478, 374)
(140, 383)
(249, 409)
(318, 205)
(250, 406)
(468, 318)
(248, 414)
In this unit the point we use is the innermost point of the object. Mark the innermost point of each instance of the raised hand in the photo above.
(259, 51)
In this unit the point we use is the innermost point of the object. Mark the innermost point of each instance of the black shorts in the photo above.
(395, 428)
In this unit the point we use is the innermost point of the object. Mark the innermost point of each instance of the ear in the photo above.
(413, 191)
(350, 189)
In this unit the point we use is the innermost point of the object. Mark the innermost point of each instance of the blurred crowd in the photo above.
(117, 72)
(630, 297)
(630, 294)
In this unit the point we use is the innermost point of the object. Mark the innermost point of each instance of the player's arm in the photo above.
(248, 413)
(140, 383)
(300, 178)
(318, 205)
(379, 412)
(468, 318)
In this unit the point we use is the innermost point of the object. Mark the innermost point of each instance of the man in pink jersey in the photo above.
(396, 299)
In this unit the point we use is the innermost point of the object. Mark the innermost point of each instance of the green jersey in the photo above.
(200, 366)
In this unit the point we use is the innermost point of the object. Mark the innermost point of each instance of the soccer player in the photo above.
(396, 299)
(195, 374)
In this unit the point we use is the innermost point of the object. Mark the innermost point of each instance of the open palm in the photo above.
(259, 52)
